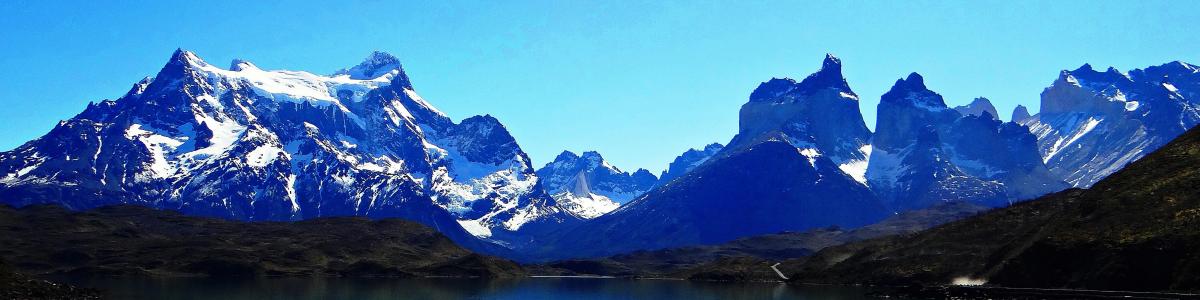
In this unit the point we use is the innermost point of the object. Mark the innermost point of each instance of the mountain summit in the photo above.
(791, 166)
(250, 144)
(925, 153)
(1093, 123)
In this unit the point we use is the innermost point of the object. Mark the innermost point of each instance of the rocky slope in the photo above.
(789, 169)
(139, 241)
(1134, 230)
(924, 153)
(1092, 123)
(687, 161)
(818, 114)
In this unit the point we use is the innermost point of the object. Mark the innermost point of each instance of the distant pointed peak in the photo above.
(566, 155)
(378, 56)
(979, 107)
(1020, 113)
(1086, 67)
(185, 57)
(913, 82)
(831, 63)
(830, 75)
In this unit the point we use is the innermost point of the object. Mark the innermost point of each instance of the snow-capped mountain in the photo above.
(1092, 123)
(687, 161)
(925, 153)
(785, 170)
(252, 144)
(587, 186)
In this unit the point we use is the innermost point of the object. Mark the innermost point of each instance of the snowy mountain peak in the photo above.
(377, 64)
(185, 57)
(1093, 123)
(602, 179)
(240, 64)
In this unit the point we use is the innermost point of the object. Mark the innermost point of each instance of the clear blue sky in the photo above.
(638, 82)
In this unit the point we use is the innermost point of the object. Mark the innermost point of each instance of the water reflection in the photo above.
(529, 288)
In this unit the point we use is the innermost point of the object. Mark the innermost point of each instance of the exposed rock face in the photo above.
(689, 160)
(819, 113)
(767, 188)
(978, 107)
(785, 170)
(924, 153)
(1020, 114)
(250, 144)
(1093, 123)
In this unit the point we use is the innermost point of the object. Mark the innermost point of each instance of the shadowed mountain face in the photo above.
(767, 188)
(796, 164)
(1135, 230)
(762, 250)
(133, 240)
(687, 161)
(924, 153)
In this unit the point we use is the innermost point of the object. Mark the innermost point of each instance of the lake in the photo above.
(526, 288)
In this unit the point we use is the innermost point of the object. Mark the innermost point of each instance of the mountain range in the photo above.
(1131, 231)
(249, 144)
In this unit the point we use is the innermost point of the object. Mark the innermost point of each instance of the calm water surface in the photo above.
(529, 288)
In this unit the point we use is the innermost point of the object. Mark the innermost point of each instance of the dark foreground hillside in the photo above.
(748, 259)
(1138, 230)
(138, 241)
